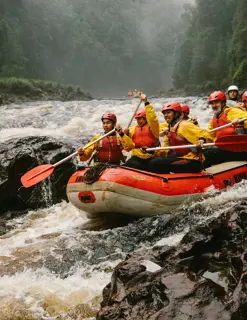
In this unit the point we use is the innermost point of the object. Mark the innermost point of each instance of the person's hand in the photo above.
(127, 131)
(143, 149)
(80, 151)
(164, 132)
(119, 129)
(143, 97)
(194, 120)
(199, 143)
(235, 121)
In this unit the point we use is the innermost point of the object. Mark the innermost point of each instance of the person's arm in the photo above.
(151, 116)
(85, 154)
(152, 120)
(236, 113)
(163, 129)
(193, 133)
(125, 141)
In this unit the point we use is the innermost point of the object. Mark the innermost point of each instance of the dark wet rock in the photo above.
(204, 277)
(21, 155)
(3, 227)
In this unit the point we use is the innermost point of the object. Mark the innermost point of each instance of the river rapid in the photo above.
(72, 290)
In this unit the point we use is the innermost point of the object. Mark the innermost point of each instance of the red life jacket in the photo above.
(222, 120)
(143, 137)
(109, 150)
(175, 140)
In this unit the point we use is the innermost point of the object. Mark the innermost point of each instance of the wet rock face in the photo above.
(21, 155)
(204, 277)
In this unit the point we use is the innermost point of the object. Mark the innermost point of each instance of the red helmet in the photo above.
(185, 108)
(244, 96)
(140, 114)
(175, 106)
(217, 96)
(110, 116)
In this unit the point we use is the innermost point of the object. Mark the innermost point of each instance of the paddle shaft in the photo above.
(88, 145)
(233, 143)
(180, 147)
(226, 125)
(222, 127)
(71, 155)
(138, 106)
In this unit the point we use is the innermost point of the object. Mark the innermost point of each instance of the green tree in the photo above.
(238, 52)
(203, 56)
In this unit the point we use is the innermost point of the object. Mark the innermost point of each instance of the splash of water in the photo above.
(50, 268)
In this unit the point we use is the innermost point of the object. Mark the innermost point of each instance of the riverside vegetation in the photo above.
(20, 90)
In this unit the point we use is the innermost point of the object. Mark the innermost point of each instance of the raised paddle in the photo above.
(138, 106)
(43, 171)
(234, 143)
(226, 125)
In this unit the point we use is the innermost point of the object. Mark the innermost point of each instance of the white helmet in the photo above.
(233, 88)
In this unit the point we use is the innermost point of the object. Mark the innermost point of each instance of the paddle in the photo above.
(43, 171)
(226, 125)
(138, 106)
(234, 143)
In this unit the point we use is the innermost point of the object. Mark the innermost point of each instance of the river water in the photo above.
(31, 285)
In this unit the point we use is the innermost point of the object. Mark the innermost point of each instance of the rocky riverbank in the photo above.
(204, 277)
(16, 90)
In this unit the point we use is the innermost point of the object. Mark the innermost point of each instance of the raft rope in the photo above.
(94, 173)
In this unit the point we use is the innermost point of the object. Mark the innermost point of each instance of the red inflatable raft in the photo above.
(138, 193)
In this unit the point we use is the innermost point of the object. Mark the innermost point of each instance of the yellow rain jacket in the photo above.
(233, 113)
(153, 123)
(191, 120)
(125, 142)
(166, 126)
(162, 127)
(192, 133)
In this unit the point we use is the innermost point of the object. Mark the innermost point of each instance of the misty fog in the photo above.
(107, 47)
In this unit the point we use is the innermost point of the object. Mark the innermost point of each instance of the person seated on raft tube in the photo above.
(233, 98)
(185, 116)
(144, 135)
(232, 93)
(180, 132)
(222, 116)
(186, 112)
(244, 101)
(109, 149)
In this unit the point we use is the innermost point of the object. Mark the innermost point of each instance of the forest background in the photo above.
(108, 47)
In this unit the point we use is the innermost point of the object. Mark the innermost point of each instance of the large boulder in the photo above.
(204, 277)
(21, 155)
